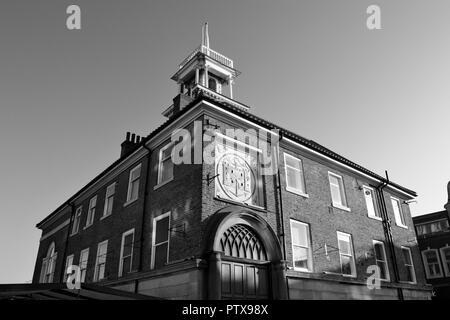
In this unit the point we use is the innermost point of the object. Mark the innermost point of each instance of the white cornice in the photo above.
(54, 230)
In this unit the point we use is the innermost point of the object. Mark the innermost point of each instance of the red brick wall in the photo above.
(323, 218)
(191, 201)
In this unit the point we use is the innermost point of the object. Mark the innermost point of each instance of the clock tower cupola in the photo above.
(203, 71)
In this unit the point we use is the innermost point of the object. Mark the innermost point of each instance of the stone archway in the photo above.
(244, 254)
(244, 271)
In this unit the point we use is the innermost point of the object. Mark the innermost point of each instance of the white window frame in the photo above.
(130, 182)
(341, 186)
(109, 197)
(444, 260)
(91, 212)
(82, 280)
(375, 207)
(309, 247)
(68, 258)
(300, 172)
(155, 220)
(126, 233)
(398, 217)
(410, 265)
(77, 220)
(352, 250)
(98, 258)
(385, 261)
(426, 264)
(160, 182)
(49, 264)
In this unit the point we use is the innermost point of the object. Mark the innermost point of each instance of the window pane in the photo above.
(334, 180)
(110, 190)
(346, 265)
(101, 272)
(128, 245)
(300, 257)
(368, 194)
(344, 246)
(167, 170)
(134, 190)
(83, 261)
(212, 84)
(397, 212)
(162, 230)
(294, 179)
(109, 205)
(135, 173)
(93, 202)
(446, 258)
(126, 265)
(434, 227)
(102, 252)
(83, 275)
(166, 153)
(382, 266)
(378, 251)
(69, 262)
(406, 256)
(336, 194)
(447, 254)
(419, 230)
(160, 255)
(409, 274)
(299, 234)
(431, 256)
(295, 163)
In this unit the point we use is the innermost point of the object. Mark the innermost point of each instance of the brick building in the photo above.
(251, 211)
(433, 236)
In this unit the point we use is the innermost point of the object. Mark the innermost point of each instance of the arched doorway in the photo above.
(244, 266)
(244, 257)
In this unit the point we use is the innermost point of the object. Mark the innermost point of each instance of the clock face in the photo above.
(235, 176)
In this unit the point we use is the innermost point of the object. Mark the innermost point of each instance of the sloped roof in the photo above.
(59, 291)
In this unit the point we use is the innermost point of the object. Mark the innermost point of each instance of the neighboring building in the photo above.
(226, 228)
(433, 235)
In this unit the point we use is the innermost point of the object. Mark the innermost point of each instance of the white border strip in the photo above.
(53, 231)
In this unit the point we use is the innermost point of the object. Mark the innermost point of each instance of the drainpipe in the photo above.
(281, 202)
(144, 211)
(72, 212)
(388, 232)
(283, 234)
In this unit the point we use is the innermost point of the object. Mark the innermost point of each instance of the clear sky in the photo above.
(380, 98)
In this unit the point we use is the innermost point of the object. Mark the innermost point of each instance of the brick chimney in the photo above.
(130, 144)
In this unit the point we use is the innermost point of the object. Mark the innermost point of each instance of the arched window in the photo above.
(212, 84)
(48, 265)
(241, 242)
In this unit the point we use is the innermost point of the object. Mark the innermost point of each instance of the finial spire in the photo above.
(205, 35)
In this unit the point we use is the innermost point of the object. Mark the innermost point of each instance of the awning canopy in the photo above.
(59, 291)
